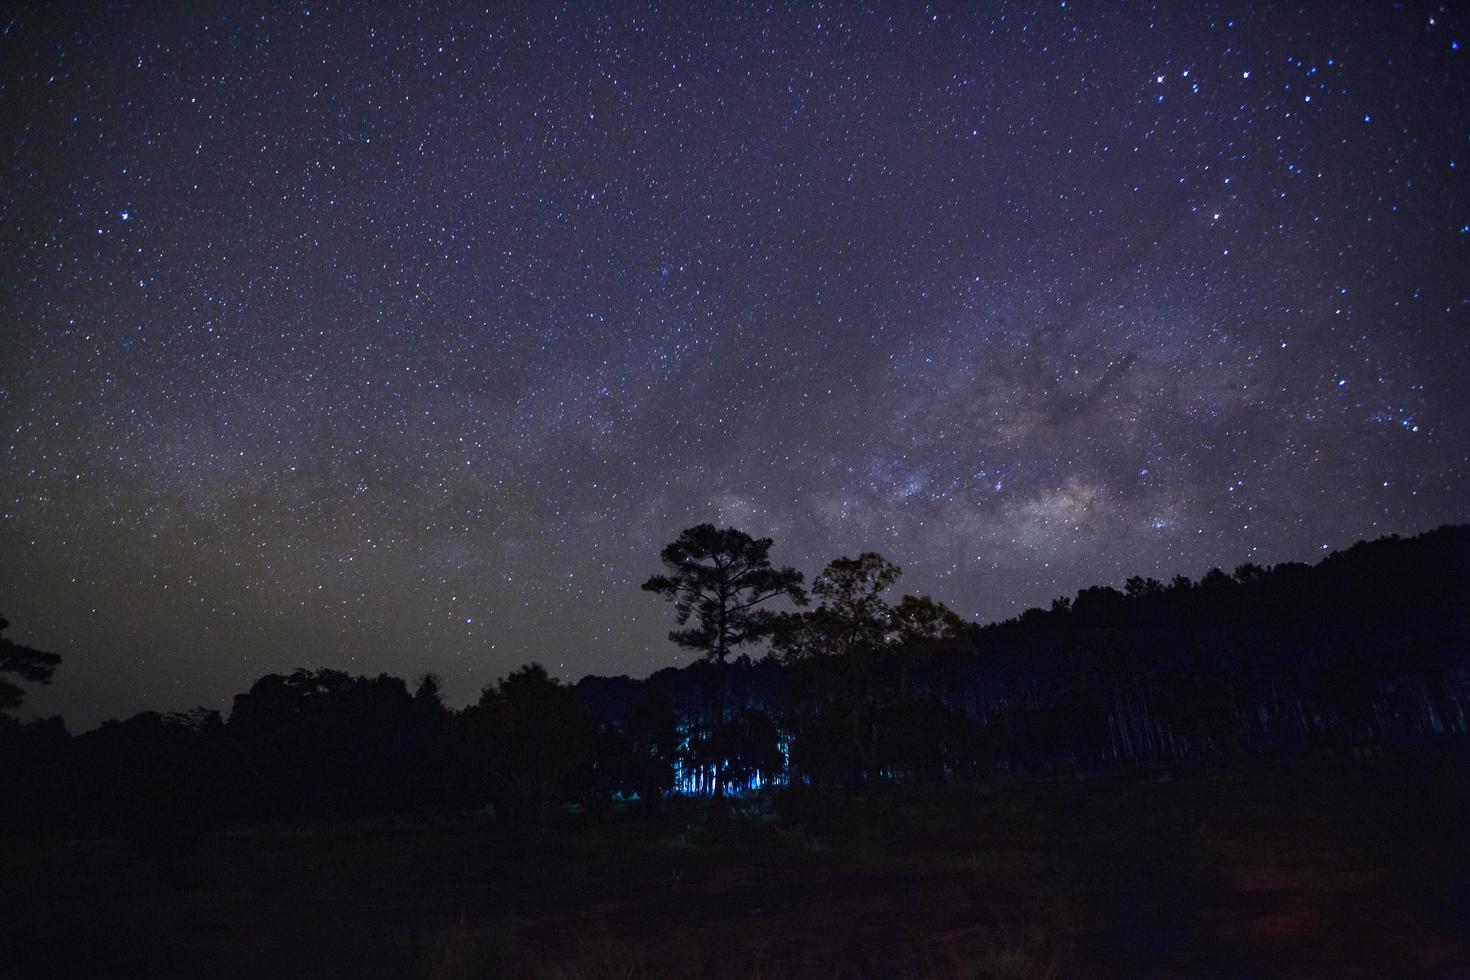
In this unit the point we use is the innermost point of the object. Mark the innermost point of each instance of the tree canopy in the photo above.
(717, 578)
(34, 666)
(853, 618)
(538, 735)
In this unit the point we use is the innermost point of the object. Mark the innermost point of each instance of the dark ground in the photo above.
(1323, 870)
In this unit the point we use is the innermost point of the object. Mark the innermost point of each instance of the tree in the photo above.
(539, 738)
(35, 666)
(323, 742)
(921, 621)
(652, 731)
(737, 749)
(919, 627)
(718, 578)
(429, 695)
(851, 617)
(277, 700)
(847, 641)
(851, 593)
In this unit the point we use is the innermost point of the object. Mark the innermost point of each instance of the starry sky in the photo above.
(403, 338)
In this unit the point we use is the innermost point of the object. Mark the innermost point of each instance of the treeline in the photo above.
(1370, 648)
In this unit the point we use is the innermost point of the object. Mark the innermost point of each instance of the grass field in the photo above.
(1321, 870)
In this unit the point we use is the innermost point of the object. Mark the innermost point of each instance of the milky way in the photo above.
(402, 339)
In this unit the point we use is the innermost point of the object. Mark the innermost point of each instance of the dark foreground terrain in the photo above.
(1348, 869)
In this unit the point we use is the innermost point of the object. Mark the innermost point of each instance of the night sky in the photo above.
(403, 339)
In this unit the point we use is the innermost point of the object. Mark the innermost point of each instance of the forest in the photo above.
(802, 692)
(1252, 774)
